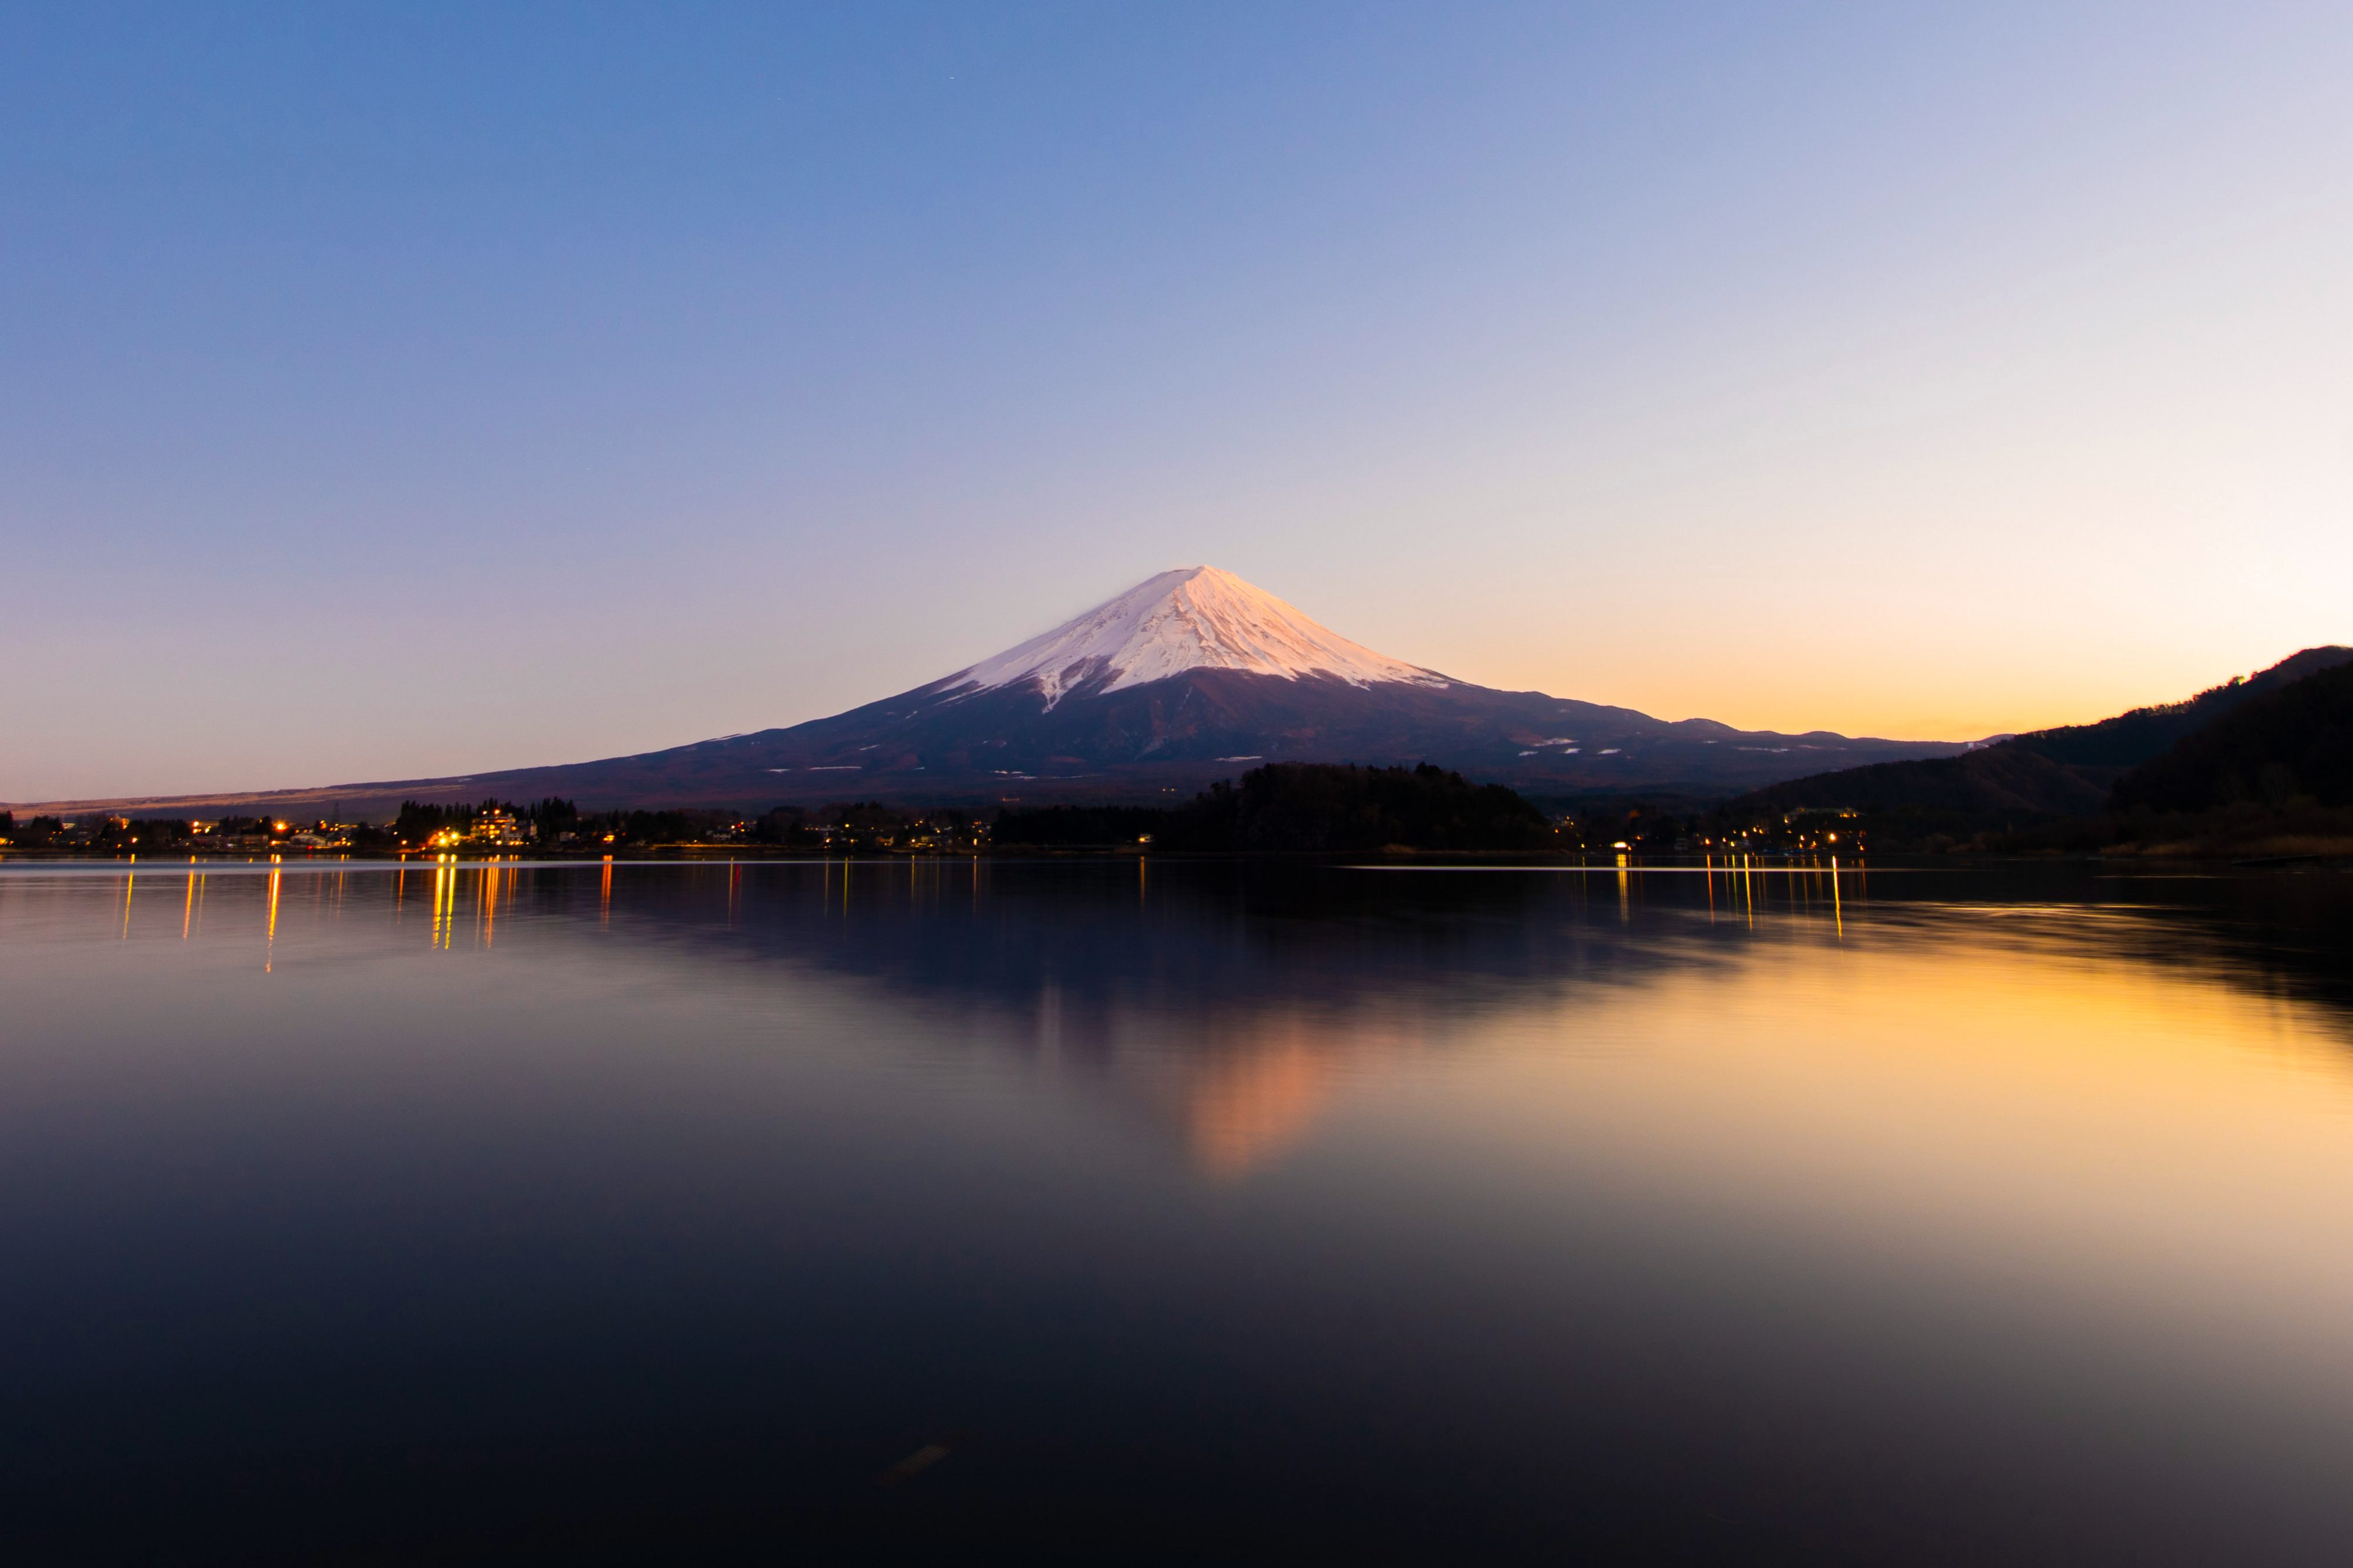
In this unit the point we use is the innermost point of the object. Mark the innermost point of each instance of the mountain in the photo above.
(1197, 618)
(1189, 677)
(2065, 772)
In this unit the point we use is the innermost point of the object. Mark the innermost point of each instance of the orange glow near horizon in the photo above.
(1962, 695)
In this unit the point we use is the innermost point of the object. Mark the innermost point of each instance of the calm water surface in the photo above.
(1938, 1215)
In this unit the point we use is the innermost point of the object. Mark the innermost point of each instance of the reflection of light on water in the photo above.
(1237, 1088)
(1243, 1108)
(2024, 1110)
(269, 942)
(1928, 1037)
(2078, 1094)
(445, 901)
(2038, 1104)
(2099, 1104)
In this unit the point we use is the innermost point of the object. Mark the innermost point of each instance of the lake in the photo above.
(1121, 1209)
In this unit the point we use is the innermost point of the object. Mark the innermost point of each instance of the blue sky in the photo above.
(402, 391)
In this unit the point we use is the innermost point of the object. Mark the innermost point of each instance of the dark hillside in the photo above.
(2002, 780)
(2296, 742)
(2048, 775)
(2130, 739)
(1305, 805)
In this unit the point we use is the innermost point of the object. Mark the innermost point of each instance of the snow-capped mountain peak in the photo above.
(1195, 618)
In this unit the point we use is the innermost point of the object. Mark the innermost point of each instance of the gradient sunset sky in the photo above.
(407, 390)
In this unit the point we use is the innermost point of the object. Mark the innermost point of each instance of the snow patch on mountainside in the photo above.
(1196, 617)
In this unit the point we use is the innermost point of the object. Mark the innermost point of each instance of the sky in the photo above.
(398, 391)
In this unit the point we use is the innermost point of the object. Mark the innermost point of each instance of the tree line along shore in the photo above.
(1278, 808)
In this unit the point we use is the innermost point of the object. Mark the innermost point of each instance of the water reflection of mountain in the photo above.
(1224, 1002)
(1220, 1001)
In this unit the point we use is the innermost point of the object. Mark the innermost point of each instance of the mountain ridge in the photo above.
(2069, 771)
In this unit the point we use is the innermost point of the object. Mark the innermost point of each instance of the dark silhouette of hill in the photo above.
(2067, 771)
(2131, 739)
(2294, 743)
(1999, 779)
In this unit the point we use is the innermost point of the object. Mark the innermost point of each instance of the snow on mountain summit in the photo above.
(1196, 617)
